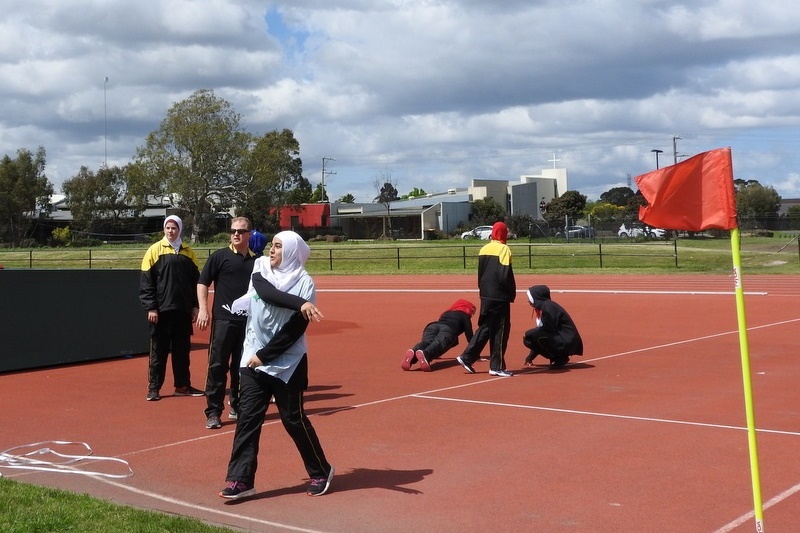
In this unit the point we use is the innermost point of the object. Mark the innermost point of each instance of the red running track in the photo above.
(644, 433)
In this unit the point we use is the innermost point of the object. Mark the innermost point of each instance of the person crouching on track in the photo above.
(441, 335)
(556, 337)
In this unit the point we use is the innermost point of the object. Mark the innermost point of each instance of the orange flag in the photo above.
(693, 195)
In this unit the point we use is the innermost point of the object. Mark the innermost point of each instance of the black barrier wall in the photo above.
(56, 317)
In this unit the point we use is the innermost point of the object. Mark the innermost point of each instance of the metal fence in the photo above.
(373, 258)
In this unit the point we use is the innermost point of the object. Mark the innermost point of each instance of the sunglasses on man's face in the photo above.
(239, 231)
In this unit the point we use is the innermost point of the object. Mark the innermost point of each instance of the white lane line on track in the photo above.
(605, 415)
(211, 510)
(687, 341)
(564, 291)
(751, 515)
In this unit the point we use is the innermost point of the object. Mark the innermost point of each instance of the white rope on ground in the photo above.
(62, 462)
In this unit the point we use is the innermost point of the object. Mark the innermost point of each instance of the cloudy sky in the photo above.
(431, 93)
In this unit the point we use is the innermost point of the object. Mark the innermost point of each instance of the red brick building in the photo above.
(305, 216)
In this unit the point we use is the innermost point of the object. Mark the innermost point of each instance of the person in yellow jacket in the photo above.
(498, 290)
(168, 291)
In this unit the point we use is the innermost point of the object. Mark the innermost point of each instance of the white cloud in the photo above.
(433, 92)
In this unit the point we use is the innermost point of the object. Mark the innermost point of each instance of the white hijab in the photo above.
(176, 244)
(283, 277)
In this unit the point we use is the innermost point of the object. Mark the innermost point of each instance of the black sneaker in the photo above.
(467, 366)
(233, 415)
(319, 485)
(500, 373)
(213, 422)
(153, 396)
(236, 490)
(188, 391)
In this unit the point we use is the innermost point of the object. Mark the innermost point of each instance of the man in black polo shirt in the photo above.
(229, 269)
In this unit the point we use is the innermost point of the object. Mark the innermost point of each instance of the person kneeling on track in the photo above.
(555, 336)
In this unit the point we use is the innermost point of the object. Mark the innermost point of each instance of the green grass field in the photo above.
(26, 508)
(778, 255)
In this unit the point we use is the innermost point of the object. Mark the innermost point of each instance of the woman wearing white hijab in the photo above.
(275, 365)
(168, 290)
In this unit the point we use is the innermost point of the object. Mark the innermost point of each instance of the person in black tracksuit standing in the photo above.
(229, 269)
(167, 290)
(498, 290)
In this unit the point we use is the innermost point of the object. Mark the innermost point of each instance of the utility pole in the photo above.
(105, 124)
(675, 140)
(325, 173)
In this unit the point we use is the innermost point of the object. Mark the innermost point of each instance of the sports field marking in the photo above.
(211, 509)
(751, 515)
(605, 415)
(561, 291)
(687, 341)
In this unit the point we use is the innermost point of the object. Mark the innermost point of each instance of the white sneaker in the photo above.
(500, 373)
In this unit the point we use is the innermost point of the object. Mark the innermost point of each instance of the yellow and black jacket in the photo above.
(495, 274)
(169, 278)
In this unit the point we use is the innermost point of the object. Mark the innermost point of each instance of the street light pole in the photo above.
(105, 123)
(656, 151)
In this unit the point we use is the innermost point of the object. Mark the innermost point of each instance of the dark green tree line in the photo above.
(25, 194)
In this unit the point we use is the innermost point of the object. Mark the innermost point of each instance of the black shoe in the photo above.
(153, 396)
(467, 366)
(213, 422)
(559, 362)
(319, 485)
(236, 490)
(188, 391)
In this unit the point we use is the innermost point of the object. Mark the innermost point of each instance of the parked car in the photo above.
(630, 232)
(636, 230)
(578, 232)
(484, 233)
(481, 232)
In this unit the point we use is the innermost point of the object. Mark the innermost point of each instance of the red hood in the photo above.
(500, 232)
(464, 306)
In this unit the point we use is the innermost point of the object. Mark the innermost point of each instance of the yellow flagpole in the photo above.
(748, 385)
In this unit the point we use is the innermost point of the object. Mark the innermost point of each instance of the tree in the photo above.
(486, 212)
(23, 188)
(97, 199)
(619, 196)
(273, 174)
(569, 205)
(195, 158)
(347, 199)
(603, 212)
(317, 195)
(387, 193)
(756, 206)
(523, 226)
(301, 193)
(415, 193)
(793, 217)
